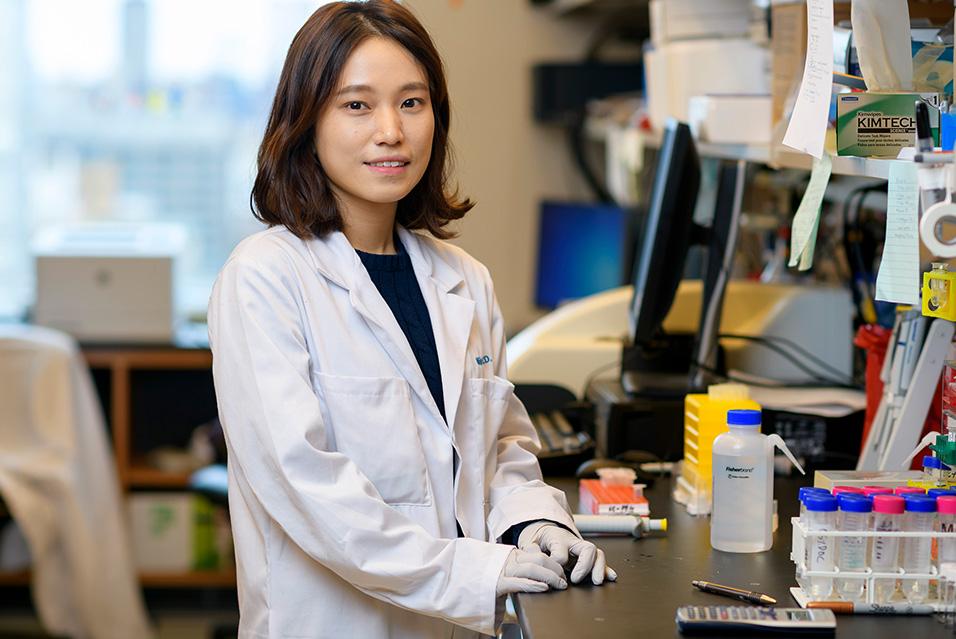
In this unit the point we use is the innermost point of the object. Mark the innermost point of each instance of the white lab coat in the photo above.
(58, 477)
(342, 484)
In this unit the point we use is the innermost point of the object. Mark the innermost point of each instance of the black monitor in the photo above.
(654, 362)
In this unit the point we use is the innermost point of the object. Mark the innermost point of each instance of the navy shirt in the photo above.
(394, 278)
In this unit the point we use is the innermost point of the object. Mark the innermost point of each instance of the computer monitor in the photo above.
(653, 361)
(580, 251)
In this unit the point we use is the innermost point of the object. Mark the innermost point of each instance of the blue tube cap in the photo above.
(803, 491)
(920, 503)
(934, 462)
(821, 503)
(855, 503)
(743, 417)
(939, 492)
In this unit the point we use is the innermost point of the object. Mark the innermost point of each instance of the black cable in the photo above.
(806, 369)
(790, 343)
(774, 384)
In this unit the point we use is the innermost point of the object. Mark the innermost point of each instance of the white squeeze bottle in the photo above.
(742, 513)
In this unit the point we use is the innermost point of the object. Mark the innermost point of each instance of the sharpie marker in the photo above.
(851, 608)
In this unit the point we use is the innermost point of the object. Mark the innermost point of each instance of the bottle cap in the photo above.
(821, 503)
(934, 462)
(743, 417)
(847, 489)
(852, 503)
(810, 490)
(908, 490)
(946, 504)
(869, 491)
(920, 503)
(888, 504)
(939, 492)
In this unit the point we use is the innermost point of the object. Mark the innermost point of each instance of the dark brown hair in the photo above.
(291, 187)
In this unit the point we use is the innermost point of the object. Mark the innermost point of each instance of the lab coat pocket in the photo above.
(490, 398)
(373, 424)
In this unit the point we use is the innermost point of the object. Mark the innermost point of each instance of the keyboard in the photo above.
(557, 435)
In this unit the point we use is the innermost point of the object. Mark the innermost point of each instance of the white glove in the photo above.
(529, 570)
(561, 544)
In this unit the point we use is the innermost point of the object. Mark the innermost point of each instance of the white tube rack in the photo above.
(797, 554)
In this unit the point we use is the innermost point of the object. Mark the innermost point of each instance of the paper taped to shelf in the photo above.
(898, 279)
(803, 233)
(808, 123)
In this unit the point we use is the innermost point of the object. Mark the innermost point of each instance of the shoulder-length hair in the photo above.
(291, 187)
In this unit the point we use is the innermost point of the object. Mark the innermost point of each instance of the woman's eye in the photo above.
(354, 106)
(411, 103)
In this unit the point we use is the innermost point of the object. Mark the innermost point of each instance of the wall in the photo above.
(504, 161)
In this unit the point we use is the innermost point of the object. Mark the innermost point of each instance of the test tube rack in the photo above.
(801, 534)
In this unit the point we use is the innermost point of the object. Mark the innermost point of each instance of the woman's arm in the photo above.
(518, 493)
(277, 440)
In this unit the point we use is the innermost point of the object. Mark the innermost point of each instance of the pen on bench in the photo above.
(737, 593)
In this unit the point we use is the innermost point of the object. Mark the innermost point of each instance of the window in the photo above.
(135, 110)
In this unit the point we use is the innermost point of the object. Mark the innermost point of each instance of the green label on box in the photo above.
(880, 124)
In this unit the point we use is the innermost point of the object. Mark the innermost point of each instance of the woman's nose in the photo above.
(389, 127)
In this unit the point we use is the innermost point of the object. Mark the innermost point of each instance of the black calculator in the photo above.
(700, 620)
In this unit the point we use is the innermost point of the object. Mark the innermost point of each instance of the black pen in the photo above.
(729, 591)
(924, 134)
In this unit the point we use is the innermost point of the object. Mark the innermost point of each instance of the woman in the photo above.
(376, 452)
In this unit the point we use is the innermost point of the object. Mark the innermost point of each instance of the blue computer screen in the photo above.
(580, 251)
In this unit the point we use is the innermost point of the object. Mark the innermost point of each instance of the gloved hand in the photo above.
(529, 570)
(561, 544)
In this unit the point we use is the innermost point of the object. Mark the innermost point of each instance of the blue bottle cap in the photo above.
(939, 492)
(934, 462)
(803, 491)
(743, 417)
(920, 503)
(855, 503)
(821, 503)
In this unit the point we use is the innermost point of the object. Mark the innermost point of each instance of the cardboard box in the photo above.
(173, 532)
(880, 124)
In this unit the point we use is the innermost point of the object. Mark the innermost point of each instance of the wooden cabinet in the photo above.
(151, 397)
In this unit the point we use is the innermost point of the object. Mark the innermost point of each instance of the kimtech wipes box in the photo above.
(880, 124)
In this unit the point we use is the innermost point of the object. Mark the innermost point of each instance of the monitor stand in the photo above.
(659, 369)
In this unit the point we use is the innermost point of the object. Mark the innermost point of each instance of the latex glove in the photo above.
(530, 570)
(562, 544)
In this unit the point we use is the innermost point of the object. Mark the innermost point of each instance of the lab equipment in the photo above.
(821, 516)
(614, 493)
(884, 557)
(632, 525)
(939, 292)
(742, 515)
(920, 515)
(705, 417)
(738, 619)
(109, 282)
(749, 596)
(946, 550)
(854, 516)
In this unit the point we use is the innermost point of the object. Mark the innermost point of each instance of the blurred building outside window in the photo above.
(135, 111)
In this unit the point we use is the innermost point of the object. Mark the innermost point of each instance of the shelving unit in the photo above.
(121, 374)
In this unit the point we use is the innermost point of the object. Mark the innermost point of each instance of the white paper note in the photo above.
(898, 278)
(803, 232)
(808, 123)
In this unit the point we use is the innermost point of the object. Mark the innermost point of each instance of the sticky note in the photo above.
(803, 232)
(898, 279)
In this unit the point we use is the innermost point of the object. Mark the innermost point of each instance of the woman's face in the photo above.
(374, 137)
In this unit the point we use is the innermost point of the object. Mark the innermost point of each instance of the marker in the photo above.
(729, 591)
(924, 134)
(851, 608)
(934, 157)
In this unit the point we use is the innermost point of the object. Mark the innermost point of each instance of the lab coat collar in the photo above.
(451, 314)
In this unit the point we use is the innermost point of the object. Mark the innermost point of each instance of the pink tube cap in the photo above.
(946, 504)
(908, 490)
(888, 504)
(847, 489)
(869, 491)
